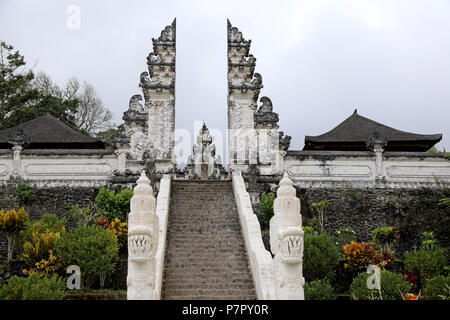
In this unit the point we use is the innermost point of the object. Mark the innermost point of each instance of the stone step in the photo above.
(205, 253)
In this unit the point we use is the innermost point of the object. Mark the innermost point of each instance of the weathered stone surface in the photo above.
(205, 257)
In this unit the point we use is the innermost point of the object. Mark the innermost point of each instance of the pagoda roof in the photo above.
(354, 132)
(47, 132)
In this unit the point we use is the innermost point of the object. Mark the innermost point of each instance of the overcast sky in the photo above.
(319, 59)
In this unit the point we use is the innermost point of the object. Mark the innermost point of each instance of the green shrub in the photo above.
(83, 216)
(320, 256)
(345, 236)
(266, 204)
(114, 205)
(91, 248)
(393, 286)
(428, 261)
(438, 288)
(33, 288)
(25, 192)
(47, 222)
(319, 290)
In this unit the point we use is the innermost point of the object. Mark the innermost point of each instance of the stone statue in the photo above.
(143, 232)
(135, 105)
(286, 243)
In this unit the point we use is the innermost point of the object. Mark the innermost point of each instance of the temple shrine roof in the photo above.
(47, 132)
(354, 133)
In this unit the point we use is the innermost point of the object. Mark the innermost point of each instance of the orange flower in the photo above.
(410, 296)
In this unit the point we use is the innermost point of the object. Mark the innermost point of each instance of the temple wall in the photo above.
(53, 168)
(333, 169)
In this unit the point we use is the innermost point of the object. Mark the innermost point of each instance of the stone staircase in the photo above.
(205, 256)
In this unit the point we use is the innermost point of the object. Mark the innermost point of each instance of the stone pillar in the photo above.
(271, 144)
(143, 232)
(243, 89)
(286, 243)
(158, 86)
(17, 140)
(376, 143)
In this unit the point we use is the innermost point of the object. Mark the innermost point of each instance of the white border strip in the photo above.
(260, 259)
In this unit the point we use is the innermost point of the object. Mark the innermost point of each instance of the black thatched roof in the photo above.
(47, 132)
(353, 133)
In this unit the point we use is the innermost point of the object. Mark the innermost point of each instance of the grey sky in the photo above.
(319, 59)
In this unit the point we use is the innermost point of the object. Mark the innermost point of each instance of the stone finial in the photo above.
(376, 142)
(17, 138)
(235, 37)
(168, 35)
(143, 233)
(286, 242)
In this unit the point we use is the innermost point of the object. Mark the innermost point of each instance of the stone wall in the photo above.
(413, 211)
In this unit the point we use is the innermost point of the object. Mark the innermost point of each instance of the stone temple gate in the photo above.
(192, 232)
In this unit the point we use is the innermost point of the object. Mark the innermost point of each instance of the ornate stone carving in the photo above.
(376, 142)
(285, 141)
(204, 164)
(135, 105)
(265, 116)
(143, 232)
(286, 242)
(17, 138)
(235, 37)
(167, 35)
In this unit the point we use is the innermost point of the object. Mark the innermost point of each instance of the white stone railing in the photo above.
(260, 259)
(162, 211)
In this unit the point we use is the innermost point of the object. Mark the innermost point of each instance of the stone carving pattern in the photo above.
(143, 232)
(286, 243)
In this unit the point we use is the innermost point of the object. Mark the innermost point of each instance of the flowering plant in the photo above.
(11, 222)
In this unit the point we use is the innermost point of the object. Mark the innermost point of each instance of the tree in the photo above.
(91, 115)
(20, 100)
(15, 88)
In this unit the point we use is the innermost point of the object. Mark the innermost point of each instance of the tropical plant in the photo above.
(91, 248)
(266, 204)
(83, 216)
(392, 287)
(427, 261)
(33, 288)
(321, 208)
(358, 256)
(319, 290)
(12, 222)
(385, 237)
(38, 248)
